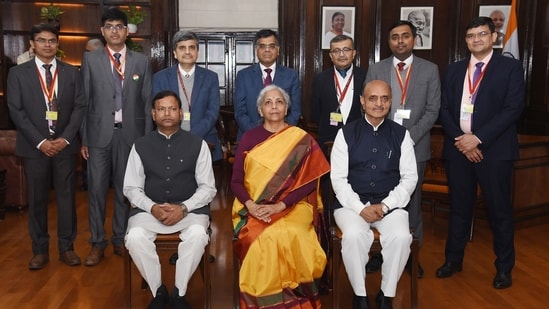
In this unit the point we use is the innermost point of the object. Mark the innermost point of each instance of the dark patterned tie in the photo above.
(268, 79)
(401, 66)
(117, 82)
(53, 103)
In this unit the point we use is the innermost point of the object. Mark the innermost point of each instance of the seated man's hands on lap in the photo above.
(168, 214)
(372, 213)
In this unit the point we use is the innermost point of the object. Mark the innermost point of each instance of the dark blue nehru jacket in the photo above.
(374, 158)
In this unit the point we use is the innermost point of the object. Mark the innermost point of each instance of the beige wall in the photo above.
(228, 15)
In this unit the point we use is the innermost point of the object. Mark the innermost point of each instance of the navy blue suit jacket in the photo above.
(498, 106)
(249, 82)
(205, 101)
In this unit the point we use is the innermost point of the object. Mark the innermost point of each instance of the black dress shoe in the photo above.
(383, 302)
(360, 302)
(178, 302)
(502, 280)
(38, 261)
(448, 269)
(161, 299)
(374, 264)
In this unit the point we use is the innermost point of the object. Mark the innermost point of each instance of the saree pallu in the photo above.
(281, 261)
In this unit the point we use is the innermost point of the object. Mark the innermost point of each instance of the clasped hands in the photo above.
(53, 147)
(264, 212)
(467, 144)
(372, 213)
(168, 214)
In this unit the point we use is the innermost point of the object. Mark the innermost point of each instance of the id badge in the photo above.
(187, 116)
(466, 112)
(400, 115)
(51, 115)
(335, 118)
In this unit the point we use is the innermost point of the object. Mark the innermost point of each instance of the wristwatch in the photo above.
(384, 208)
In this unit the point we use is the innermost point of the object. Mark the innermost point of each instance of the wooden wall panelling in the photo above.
(535, 118)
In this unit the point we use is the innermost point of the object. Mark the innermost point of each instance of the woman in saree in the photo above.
(276, 173)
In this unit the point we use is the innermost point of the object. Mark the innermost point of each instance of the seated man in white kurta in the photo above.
(169, 182)
(373, 175)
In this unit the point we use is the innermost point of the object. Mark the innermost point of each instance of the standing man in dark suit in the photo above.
(482, 99)
(46, 102)
(336, 91)
(336, 101)
(415, 85)
(117, 83)
(252, 79)
(198, 89)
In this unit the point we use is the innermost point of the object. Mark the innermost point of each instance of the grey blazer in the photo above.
(423, 99)
(98, 125)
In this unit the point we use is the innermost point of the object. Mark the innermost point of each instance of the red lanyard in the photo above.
(474, 88)
(115, 65)
(180, 77)
(403, 86)
(343, 93)
(48, 92)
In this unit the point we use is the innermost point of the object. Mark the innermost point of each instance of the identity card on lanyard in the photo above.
(336, 117)
(402, 113)
(186, 115)
(468, 108)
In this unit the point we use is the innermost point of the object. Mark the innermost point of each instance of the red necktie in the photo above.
(268, 80)
(401, 66)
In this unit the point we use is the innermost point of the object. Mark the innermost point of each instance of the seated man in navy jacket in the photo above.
(373, 175)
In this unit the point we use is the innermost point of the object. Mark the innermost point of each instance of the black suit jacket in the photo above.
(325, 102)
(27, 107)
(498, 106)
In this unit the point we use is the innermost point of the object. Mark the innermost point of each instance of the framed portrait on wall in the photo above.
(499, 14)
(336, 20)
(422, 18)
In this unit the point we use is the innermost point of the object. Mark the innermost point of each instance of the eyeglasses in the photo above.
(374, 98)
(111, 28)
(338, 51)
(480, 35)
(265, 46)
(42, 41)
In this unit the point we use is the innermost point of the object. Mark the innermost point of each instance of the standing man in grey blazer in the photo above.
(415, 85)
(118, 84)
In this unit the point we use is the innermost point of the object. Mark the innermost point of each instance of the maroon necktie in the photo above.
(401, 66)
(268, 79)
(53, 103)
(117, 83)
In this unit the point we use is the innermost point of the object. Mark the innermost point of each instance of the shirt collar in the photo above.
(272, 67)
(39, 64)
(473, 61)
(184, 73)
(122, 52)
(375, 128)
(407, 61)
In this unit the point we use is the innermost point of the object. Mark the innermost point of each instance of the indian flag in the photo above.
(510, 40)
